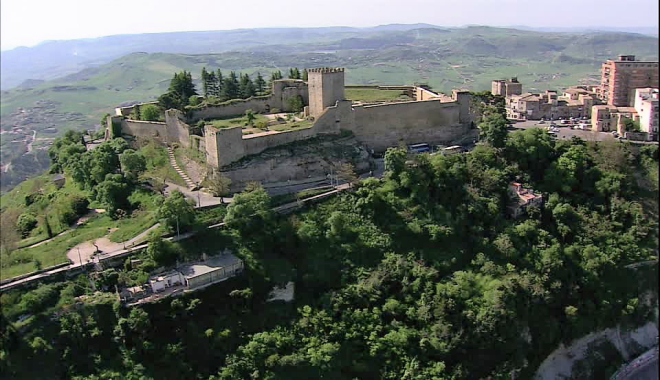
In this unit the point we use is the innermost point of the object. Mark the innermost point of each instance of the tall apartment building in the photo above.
(646, 105)
(506, 87)
(620, 78)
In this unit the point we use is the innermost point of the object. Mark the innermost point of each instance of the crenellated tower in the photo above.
(326, 87)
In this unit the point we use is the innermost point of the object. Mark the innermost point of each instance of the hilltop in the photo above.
(444, 58)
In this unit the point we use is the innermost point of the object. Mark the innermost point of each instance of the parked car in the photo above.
(542, 122)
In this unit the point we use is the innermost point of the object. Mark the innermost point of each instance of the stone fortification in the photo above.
(174, 129)
(145, 129)
(227, 145)
(433, 118)
(326, 87)
(282, 91)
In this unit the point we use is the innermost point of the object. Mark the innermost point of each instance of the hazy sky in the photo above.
(28, 22)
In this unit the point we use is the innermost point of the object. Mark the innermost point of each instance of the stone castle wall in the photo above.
(227, 145)
(145, 129)
(282, 91)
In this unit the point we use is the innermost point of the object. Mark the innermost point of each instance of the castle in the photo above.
(428, 117)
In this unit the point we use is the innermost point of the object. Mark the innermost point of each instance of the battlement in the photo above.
(326, 70)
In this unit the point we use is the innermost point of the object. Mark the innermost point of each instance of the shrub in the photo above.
(261, 124)
(25, 224)
(32, 198)
(79, 205)
(149, 112)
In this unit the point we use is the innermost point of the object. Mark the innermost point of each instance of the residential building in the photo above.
(607, 118)
(620, 78)
(646, 105)
(549, 105)
(506, 87)
(521, 199)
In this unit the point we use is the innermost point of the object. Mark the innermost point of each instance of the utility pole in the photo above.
(79, 257)
(199, 202)
(177, 227)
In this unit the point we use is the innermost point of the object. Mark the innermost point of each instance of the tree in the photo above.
(493, 129)
(218, 184)
(135, 114)
(113, 192)
(294, 73)
(346, 172)
(295, 103)
(25, 224)
(395, 161)
(246, 87)
(176, 210)
(249, 116)
(230, 87)
(205, 82)
(219, 84)
(260, 84)
(631, 125)
(250, 211)
(179, 93)
(149, 112)
(161, 251)
(132, 164)
(304, 75)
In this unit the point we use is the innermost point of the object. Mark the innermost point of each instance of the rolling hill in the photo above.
(444, 58)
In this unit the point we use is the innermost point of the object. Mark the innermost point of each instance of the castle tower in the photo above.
(326, 87)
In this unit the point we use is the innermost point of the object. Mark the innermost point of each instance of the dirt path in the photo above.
(85, 251)
(79, 222)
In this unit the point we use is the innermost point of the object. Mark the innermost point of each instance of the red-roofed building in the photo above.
(522, 198)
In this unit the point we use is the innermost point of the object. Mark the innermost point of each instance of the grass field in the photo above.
(373, 94)
(240, 121)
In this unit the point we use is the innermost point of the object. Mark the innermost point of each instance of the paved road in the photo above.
(565, 132)
(646, 372)
(201, 198)
(644, 367)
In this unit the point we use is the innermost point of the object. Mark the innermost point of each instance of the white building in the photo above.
(646, 105)
(166, 280)
(210, 270)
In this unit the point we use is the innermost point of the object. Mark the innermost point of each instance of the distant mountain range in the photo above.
(71, 84)
(53, 59)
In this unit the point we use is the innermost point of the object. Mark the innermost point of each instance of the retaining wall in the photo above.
(146, 129)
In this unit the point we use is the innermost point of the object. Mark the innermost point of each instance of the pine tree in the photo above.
(180, 90)
(230, 86)
(260, 83)
(205, 82)
(296, 73)
(212, 84)
(304, 75)
(220, 82)
(246, 87)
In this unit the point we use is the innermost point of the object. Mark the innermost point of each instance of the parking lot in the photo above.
(565, 131)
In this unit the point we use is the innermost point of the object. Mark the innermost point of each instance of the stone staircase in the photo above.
(189, 183)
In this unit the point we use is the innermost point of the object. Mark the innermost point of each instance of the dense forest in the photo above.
(418, 275)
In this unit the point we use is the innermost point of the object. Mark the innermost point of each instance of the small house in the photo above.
(522, 198)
